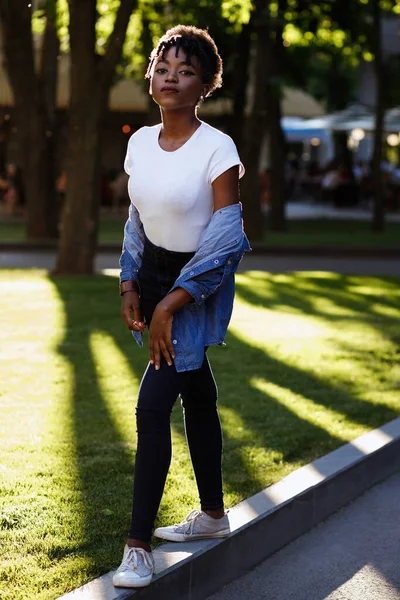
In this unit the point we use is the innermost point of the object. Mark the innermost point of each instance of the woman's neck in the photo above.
(177, 125)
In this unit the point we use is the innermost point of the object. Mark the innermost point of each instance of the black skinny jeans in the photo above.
(157, 395)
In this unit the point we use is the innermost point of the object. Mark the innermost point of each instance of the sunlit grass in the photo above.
(116, 383)
(312, 361)
(39, 486)
(321, 416)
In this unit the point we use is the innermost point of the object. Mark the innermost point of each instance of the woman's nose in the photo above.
(171, 76)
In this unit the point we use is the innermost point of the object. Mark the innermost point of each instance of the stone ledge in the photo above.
(264, 523)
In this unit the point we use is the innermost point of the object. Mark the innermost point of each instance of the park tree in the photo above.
(270, 24)
(380, 82)
(34, 92)
(345, 32)
(375, 11)
(260, 119)
(362, 24)
(275, 54)
(92, 71)
(240, 82)
(276, 29)
(255, 62)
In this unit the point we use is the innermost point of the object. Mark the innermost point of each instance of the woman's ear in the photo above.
(204, 92)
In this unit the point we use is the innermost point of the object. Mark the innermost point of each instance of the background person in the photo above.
(13, 190)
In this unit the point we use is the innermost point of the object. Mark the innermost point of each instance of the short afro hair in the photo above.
(195, 42)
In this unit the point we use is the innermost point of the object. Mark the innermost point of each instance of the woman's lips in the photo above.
(169, 90)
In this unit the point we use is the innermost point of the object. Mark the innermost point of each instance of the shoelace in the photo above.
(131, 559)
(190, 521)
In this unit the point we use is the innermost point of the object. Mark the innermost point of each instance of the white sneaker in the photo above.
(136, 569)
(196, 526)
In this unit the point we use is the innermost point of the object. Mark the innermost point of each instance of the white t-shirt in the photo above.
(172, 190)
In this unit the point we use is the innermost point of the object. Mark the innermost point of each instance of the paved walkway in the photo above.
(354, 555)
(278, 264)
(303, 209)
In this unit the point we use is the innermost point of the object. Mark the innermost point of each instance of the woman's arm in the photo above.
(225, 192)
(132, 246)
(226, 188)
(130, 260)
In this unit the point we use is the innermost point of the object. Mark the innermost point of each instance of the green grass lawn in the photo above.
(334, 232)
(111, 230)
(319, 232)
(312, 361)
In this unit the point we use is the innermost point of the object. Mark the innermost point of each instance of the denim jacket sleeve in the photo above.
(220, 251)
(131, 257)
(132, 248)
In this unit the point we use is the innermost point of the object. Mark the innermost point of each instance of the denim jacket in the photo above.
(208, 277)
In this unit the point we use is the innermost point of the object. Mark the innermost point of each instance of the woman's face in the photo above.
(175, 84)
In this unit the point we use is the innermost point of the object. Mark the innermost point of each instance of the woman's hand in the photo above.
(161, 326)
(131, 305)
(160, 335)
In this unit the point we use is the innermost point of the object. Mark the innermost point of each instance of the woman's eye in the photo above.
(161, 70)
(188, 73)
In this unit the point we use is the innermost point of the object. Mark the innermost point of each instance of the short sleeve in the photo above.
(128, 158)
(224, 157)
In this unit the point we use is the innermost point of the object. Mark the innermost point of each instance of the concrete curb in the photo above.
(257, 249)
(264, 523)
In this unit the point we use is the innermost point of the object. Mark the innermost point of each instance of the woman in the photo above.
(183, 242)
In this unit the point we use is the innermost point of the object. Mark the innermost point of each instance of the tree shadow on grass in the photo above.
(303, 292)
(333, 298)
(105, 460)
(270, 425)
(296, 440)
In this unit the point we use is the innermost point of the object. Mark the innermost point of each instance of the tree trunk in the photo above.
(48, 77)
(91, 79)
(29, 115)
(80, 216)
(276, 137)
(378, 215)
(254, 128)
(338, 87)
(240, 85)
(153, 110)
(87, 106)
(277, 154)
